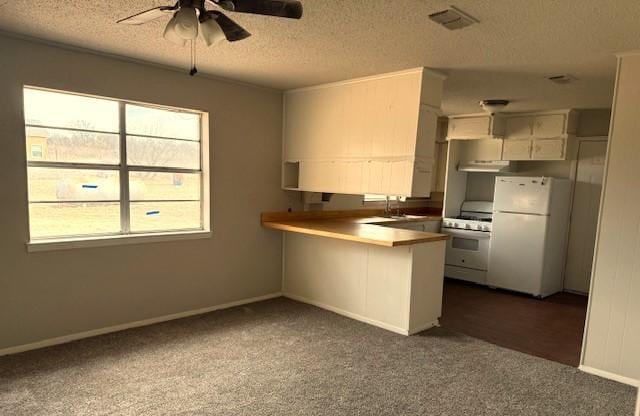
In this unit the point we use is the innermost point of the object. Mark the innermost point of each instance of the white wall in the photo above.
(480, 186)
(50, 294)
(612, 336)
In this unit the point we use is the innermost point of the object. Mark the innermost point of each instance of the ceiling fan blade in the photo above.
(147, 15)
(231, 29)
(280, 8)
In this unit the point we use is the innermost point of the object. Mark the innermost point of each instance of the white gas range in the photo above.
(467, 256)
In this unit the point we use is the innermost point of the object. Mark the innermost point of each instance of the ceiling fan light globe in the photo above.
(171, 35)
(186, 25)
(211, 32)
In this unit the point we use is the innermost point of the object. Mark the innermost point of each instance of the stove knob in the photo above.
(467, 226)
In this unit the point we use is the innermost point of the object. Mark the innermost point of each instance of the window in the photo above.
(381, 198)
(36, 151)
(103, 167)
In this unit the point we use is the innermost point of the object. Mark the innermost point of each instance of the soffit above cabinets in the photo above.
(374, 135)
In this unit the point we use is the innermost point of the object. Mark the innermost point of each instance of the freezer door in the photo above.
(516, 256)
(523, 194)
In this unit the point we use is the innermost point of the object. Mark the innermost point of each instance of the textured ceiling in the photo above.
(507, 55)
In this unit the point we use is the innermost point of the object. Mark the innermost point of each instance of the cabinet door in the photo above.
(375, 179)
(421, 174)
(469, 127)
(431, 226)
(354, 180)
(481, 149)
(549, 126)
(548, 149)
(399, 178)
(514, 149)
(519, 127)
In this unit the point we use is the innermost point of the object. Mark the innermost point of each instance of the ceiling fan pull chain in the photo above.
(194, 70)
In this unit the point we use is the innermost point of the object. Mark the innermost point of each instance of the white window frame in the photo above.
(381, 198)
(125, 236)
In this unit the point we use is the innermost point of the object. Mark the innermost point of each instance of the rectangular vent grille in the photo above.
(452, 18)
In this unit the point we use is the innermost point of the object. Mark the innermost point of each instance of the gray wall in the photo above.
(50, 294)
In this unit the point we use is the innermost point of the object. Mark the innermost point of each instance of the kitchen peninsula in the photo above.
(364, 266)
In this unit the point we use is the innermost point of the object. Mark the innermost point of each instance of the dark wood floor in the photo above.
(550, 328)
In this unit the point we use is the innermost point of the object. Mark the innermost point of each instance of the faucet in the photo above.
(387, 208)
(398, 214)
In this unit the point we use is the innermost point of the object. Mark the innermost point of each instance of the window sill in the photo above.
(114, 240)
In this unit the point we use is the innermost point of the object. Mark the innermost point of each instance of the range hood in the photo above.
(490, 166)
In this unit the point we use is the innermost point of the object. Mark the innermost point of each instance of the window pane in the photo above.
(55, 145)
(160, 185)
(149, 121)
(73, 219)
(165, 216)
(375, 198)
(54, 184)
(56, 109)
(143, 151)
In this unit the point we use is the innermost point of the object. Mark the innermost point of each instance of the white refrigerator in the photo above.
(529, 234)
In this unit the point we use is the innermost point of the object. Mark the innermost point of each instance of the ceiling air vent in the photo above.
(562, 79)
(452, 18)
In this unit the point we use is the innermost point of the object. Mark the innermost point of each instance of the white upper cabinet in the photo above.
(539, 136)
(369, 135)
(481, 149)
(519, 127)
(516, 150)
(551, 125)
(475, 126)
(548, 149)
(541, 125)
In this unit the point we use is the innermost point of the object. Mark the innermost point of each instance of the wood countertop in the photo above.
(353, 227)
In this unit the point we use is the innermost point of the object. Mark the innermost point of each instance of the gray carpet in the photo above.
(281, 357)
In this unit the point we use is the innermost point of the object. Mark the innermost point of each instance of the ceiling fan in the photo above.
(190, 17)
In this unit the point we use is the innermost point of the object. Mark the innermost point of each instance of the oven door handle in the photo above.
(466, 233)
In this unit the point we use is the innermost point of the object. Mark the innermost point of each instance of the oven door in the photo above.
(467, 248)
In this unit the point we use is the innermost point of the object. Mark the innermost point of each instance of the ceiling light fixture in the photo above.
(171, 35)
(493, 106)
(186, 25)
(210, 29)
(191, 16)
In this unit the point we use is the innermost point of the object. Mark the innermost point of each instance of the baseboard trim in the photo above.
(348, 314)
(135, 324)
(610, 376)
(424, 327)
